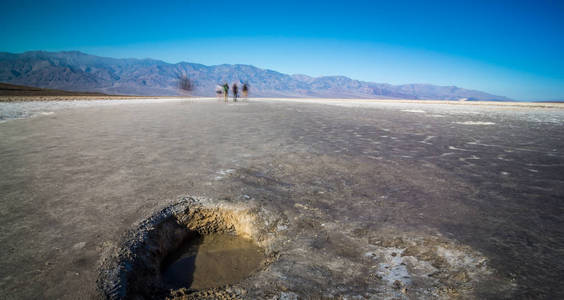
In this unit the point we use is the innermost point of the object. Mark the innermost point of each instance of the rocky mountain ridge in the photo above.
(77, 71)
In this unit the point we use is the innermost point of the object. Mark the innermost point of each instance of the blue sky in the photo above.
(510, 48)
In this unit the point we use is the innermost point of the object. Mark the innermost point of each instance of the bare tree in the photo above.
(185, 84)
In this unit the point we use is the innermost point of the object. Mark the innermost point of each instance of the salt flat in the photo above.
(374, 198)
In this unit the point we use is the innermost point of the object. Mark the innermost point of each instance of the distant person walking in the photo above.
(245, 90)
(226, 91)
(235, 90)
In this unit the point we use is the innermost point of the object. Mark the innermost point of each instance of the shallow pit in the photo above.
(186, 246)
(211, 261)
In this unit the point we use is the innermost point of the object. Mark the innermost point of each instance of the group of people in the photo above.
(224, 90)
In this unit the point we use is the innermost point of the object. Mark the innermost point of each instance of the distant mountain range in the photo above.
(77, 71)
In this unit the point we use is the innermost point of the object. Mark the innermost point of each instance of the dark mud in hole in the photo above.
(211, 261)
(184, 250)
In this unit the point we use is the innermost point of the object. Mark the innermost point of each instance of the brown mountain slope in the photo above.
(22, 90)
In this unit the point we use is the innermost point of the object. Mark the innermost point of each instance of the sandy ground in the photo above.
(369, 193)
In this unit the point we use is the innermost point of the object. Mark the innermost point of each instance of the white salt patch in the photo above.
(79, 246)
(475, 123)
(459, 149)
(288, 296)
(502, 157)
(392, 267)
(222, 173)
(27, 109)
(419, 267)
(426, 140)
(456, 258)
(413, 110)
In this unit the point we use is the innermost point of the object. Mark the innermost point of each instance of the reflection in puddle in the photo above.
(211, 261)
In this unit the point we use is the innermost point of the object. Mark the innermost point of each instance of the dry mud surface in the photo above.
(355, 199)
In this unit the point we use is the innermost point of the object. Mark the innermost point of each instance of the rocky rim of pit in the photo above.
(381, 263)
(134, 271)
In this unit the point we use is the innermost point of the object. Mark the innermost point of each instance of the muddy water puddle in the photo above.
(211, 261)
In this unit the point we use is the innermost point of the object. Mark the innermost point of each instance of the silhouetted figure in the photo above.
(225, 91)
(245, 90)
(235, 90)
